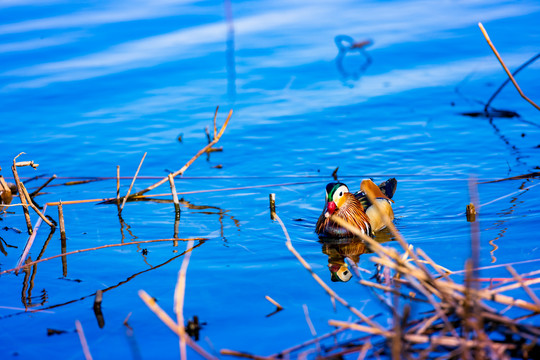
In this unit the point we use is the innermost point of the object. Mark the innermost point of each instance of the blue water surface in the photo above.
(86, 86)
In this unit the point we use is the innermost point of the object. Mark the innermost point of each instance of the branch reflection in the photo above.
(108, 288)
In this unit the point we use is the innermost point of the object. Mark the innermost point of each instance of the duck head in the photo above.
(335, 197)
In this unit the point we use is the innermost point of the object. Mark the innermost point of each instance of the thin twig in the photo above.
(35, 192)
(186, 166)
(118, 184)
(273, 302)
(82, 338)
(179, 293)
(243, 355)
(61, 221)
(132, 182)
(21, 195)
(34, 207)
(311, 327)
(29, 243)
(486, 36)
(527, 289)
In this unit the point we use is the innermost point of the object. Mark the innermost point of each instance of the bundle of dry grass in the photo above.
(456, 321)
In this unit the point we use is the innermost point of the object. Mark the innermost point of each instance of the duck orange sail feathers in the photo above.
(355, 208)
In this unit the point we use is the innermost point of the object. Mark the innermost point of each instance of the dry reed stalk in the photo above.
(272, 198)
(365, 349)
(21, 195)
(273, 302)
(166, 319)
(61, 221)
(132, 182)
(35, 192)
(29, 243)
(102, 247)
(311, 327)
(367, 329)
(330, 292)
(486, 36)
(173, 192)
(527, 289)
(186, 166)
(179, 294)
(118, 184)
(493, 295)
(82, 338)
(307, 343)
(215, 126)
(34, 207)
(243, 355)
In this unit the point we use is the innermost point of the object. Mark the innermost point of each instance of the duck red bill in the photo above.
(331, 207)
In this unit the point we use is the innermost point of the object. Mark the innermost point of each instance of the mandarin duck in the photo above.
(355, 208)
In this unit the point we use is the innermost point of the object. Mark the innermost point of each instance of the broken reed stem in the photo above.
(243, 355)
(330, 292)
(272, 198)
(29, 243)
(35, 192)
(118, 184)
(82, 338)
(101, 247)
(21, 195)
(274, 302)
(311, 327)
(34, 207)
(132, 182)
(179, 294)
(186, 166)
(215, 126)
(486, 36)
(166, 319)
(61, 221)
(527, 289)
(173, 191)
(309, 342)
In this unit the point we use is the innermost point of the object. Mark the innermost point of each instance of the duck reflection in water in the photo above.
(338, 250)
